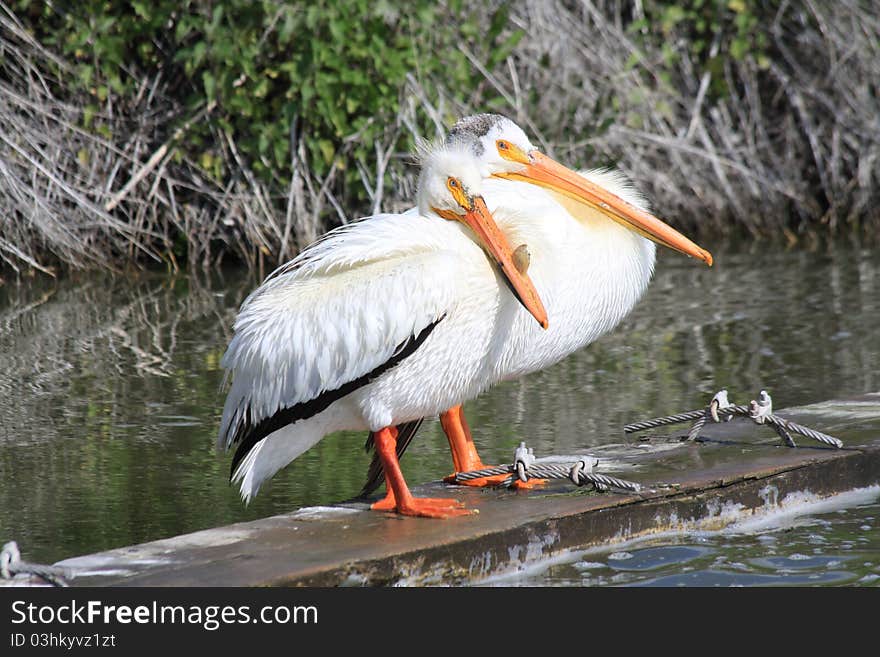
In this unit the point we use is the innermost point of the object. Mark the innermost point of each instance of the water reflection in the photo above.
(110, 389)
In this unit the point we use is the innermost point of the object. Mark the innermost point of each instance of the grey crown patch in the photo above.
(470, 129)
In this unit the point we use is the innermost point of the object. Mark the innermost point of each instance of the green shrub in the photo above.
(335, 69)
(709, 32)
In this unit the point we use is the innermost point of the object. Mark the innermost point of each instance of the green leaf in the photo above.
(210, 84)
(142, 9)
(327, 150)
(198, 55)
(89, 112)
(498, 22)
(85, 72)
(502, 51)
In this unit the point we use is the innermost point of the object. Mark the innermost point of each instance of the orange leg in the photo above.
(398, 492)
(464, 452)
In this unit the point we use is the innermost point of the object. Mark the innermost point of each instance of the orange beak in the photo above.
(546, 172)
(481, 222)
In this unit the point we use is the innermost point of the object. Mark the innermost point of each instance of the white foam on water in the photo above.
(620, 556)
(793, 506)
(727, 518)
(523, 571)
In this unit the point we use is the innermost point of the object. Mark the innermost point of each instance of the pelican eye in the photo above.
(510, 152)
(456, 188)
(459, 193)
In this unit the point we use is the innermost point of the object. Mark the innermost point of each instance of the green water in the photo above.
(110, 389)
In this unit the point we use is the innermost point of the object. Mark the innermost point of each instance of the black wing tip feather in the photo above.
(248, 434)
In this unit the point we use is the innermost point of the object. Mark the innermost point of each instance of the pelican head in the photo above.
(503, 150)
(450, 187)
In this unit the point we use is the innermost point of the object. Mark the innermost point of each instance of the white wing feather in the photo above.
(337, 312)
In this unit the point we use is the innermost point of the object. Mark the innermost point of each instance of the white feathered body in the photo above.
(345, 305)
(589, 270)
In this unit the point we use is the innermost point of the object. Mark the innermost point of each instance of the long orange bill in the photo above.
(546, 172)
(480, 220)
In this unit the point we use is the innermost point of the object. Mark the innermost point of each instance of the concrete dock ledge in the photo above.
(738, 469)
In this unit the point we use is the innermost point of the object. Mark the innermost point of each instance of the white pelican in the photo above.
(588, 258)
(380, 323)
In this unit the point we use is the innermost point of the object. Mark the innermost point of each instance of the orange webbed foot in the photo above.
(481, 482)
(528, 485)
(424, 507)
(387, 503)
(434, 507)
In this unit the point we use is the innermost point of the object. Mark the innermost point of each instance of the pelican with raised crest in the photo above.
(380, 323)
